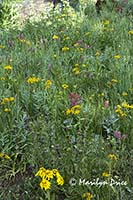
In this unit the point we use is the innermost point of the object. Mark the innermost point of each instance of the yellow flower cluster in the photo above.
(119, 109)
(48, 83)
(120, 112)
(117, 56)
(87, 195)
(105, 174)
(66, 38)
(32, 80)
(80, 49)
(65, 86)
(3, 155)
(76, 44)
(76, 69)
(114, 81)
(8, 67)
(2, 79)
(107, 22)
(47, 175)
(112, 156)
(130, 32)
(126, 105)
(74, 110)
(87, 33)
(2, 47)
(65, 49)
(6, 110)
(7, 100)
(25, 41)
(97, 53)
(83, 65)
(124, 94)
(55, 37)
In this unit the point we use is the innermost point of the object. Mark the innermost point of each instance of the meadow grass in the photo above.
(66, 103)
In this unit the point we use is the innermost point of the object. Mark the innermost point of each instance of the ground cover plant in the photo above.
(66, 101)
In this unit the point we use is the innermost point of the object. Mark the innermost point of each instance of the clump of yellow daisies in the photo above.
(47, 175)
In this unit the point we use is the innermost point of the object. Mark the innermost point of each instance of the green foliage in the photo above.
(46, 68)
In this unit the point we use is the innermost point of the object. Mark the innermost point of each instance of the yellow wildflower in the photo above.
(48, 83)
(41, 172)
(76, 112)
(114, 81)
(6, 110)
(3, 155)
(76, 70)
(2, 78)
(2, 47)
(25, 41)
(65, 86)
(55, 37)
(81, 49)
(76, 65)
(117, 56)
(76, 44)
(67, 38)
(45, 184)
(87, 33)
(32, 80)
(55, 56)
(60, 180)
(8, 67)
(124, 93)
(11, 98)
(6, 100)
(107, 22)
(125, 105)
(105, 174)
(130, 32)
(65, 49)
(112, 156)
(118, 107)
(120, 112)
(83, 65)
(55, 172)
(87, 195)
(97, 54)
(68, 112)
(123, 114)
(48, 174)
(75, 109)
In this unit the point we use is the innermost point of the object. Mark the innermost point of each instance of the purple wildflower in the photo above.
(74, 98)
(117, 135)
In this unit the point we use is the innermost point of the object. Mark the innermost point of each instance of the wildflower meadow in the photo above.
(66, 102)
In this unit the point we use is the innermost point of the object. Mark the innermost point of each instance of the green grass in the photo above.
(35, 130)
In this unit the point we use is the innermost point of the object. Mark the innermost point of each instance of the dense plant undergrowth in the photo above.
(66, 106)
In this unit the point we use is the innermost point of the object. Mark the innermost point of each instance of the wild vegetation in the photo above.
(66, 104)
